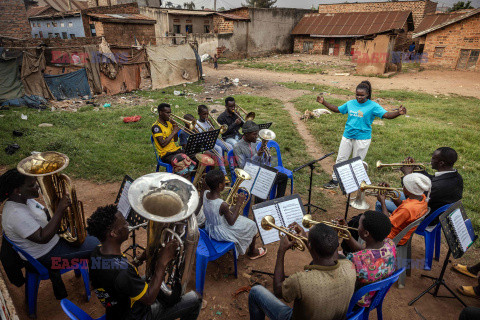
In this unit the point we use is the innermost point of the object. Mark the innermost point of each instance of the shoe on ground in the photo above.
(332, 184)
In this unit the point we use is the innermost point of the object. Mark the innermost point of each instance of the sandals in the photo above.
(261, 252)
(468, 291)
(463, 269)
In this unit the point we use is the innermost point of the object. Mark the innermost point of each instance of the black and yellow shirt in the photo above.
(118, 286)
(159, 130)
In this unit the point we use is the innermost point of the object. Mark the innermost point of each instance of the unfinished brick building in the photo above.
(451, 41)
(13, 20)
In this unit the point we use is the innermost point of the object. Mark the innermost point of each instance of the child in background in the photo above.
(215, 61)
(225, 223)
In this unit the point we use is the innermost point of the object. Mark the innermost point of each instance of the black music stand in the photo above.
(265, 125)
(200, 142)
(311, 164)
(453, 247)
(133, 218)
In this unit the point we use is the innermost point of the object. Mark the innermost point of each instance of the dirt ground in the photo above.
(220, 284)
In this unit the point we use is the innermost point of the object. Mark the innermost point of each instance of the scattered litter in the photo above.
(218, 313)
(205, 57)
(12, 148)
(178, 93)
(24, 117)
(177, 106)
(107, 105)
(132, 119)
(240, 290)
(17, 133)
(41, 125)
(342, 74)
(378, 122)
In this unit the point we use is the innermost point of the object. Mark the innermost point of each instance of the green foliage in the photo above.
(295, 68)
(316, 88)
(432, 122)
(260, 3)
(460, 5)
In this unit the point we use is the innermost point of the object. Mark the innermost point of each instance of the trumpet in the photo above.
(267, 135)
(249, 116)
(232, 197)
(389, 192)
(418, 166)
(268, 223)
(343, 232)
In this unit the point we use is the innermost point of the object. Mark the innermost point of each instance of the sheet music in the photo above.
(252, 169)
(347, 178)
(263, 184)
(456, 219)
(360, 172)
(291, 212)
(123, 204)
(270, 235)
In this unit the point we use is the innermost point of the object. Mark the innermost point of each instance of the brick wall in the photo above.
(299, 41)
(121, 8)
(419, 8)
(464, 34)
(13, 19)
(220, 25)
(243, 12)
(124, 34)
(52, 42)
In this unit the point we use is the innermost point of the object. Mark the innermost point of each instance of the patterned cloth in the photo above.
(373, 265)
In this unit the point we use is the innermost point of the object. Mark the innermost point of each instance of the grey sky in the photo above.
(297, 3)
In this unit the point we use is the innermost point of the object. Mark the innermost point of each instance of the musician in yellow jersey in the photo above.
(165, 134)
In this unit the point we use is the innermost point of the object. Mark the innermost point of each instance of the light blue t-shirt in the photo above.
(360, 118)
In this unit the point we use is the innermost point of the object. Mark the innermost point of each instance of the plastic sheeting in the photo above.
(172, 65)
(32, 67)
(127, 79)
(10, 84)
(32, 101)
(68, 86)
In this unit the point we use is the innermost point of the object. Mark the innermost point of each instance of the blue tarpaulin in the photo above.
(68, 86)
(31, 101)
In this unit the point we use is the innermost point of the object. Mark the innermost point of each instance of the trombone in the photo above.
(418, 166)
(268, 223)
(189, 126)
(343, 232)
(249, 116)
(223, 128)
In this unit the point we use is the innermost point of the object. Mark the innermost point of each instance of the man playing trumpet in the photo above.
(322, 291)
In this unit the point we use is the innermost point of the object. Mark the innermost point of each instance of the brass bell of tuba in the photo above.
(168, 201)
(268, 223)
(232, 197)
(46, 167)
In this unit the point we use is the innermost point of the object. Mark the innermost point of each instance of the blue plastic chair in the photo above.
(37, 271)
(381, 287)
(279, 167)
(208, 250)
(168, 167)
(75, 313)
(432, 235)
(357, 315)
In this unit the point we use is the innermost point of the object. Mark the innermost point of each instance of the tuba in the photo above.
(46, 167)
(232, 197)
(168, 202)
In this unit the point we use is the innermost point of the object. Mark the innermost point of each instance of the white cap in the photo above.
(417, 183)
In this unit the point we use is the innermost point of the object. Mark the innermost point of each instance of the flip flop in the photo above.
(261, 252)
(463, 269)
(468, 291)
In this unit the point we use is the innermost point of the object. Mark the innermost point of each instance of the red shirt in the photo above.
(409, 211)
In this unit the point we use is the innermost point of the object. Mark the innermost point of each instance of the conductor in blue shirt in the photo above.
(358, 129)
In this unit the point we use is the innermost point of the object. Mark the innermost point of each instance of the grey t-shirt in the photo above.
(244, 150)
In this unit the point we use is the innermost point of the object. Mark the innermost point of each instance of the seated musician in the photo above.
(447, 183)
(246, 148)
(322, 291)
(225, 223)
(165, 134)
(231, 119)
(203, 125)
(119, 287)
(26, 223)
(375, 260)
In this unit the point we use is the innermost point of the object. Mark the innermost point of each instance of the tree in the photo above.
(169, 4)
(189, 5)
(260, 3)
(460, 5)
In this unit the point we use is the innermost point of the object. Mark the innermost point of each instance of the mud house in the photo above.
(451, 41)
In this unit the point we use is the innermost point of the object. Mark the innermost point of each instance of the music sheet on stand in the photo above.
(123, 204)
(360, 172)
(291, 212)
(348, 179)
(461, 231)
(252, 169)
(272, 234)
(263, 183)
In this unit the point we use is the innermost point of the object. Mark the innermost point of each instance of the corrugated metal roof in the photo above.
(436, 22)
(352, 24)
(232, 16)
(63, 5)
(179, 12)
(35, 11)
(122, 18)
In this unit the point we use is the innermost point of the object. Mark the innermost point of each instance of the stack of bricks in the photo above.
(13, 19)
(418, 8)
(464, 34)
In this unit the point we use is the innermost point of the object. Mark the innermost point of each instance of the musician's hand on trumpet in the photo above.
(408, 169)
(381, 195)
(285, 243)
(298, 229)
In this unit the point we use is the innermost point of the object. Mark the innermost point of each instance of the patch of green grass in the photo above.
(432, 122)
(226, 61)
(316, 88)
(295, 67)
